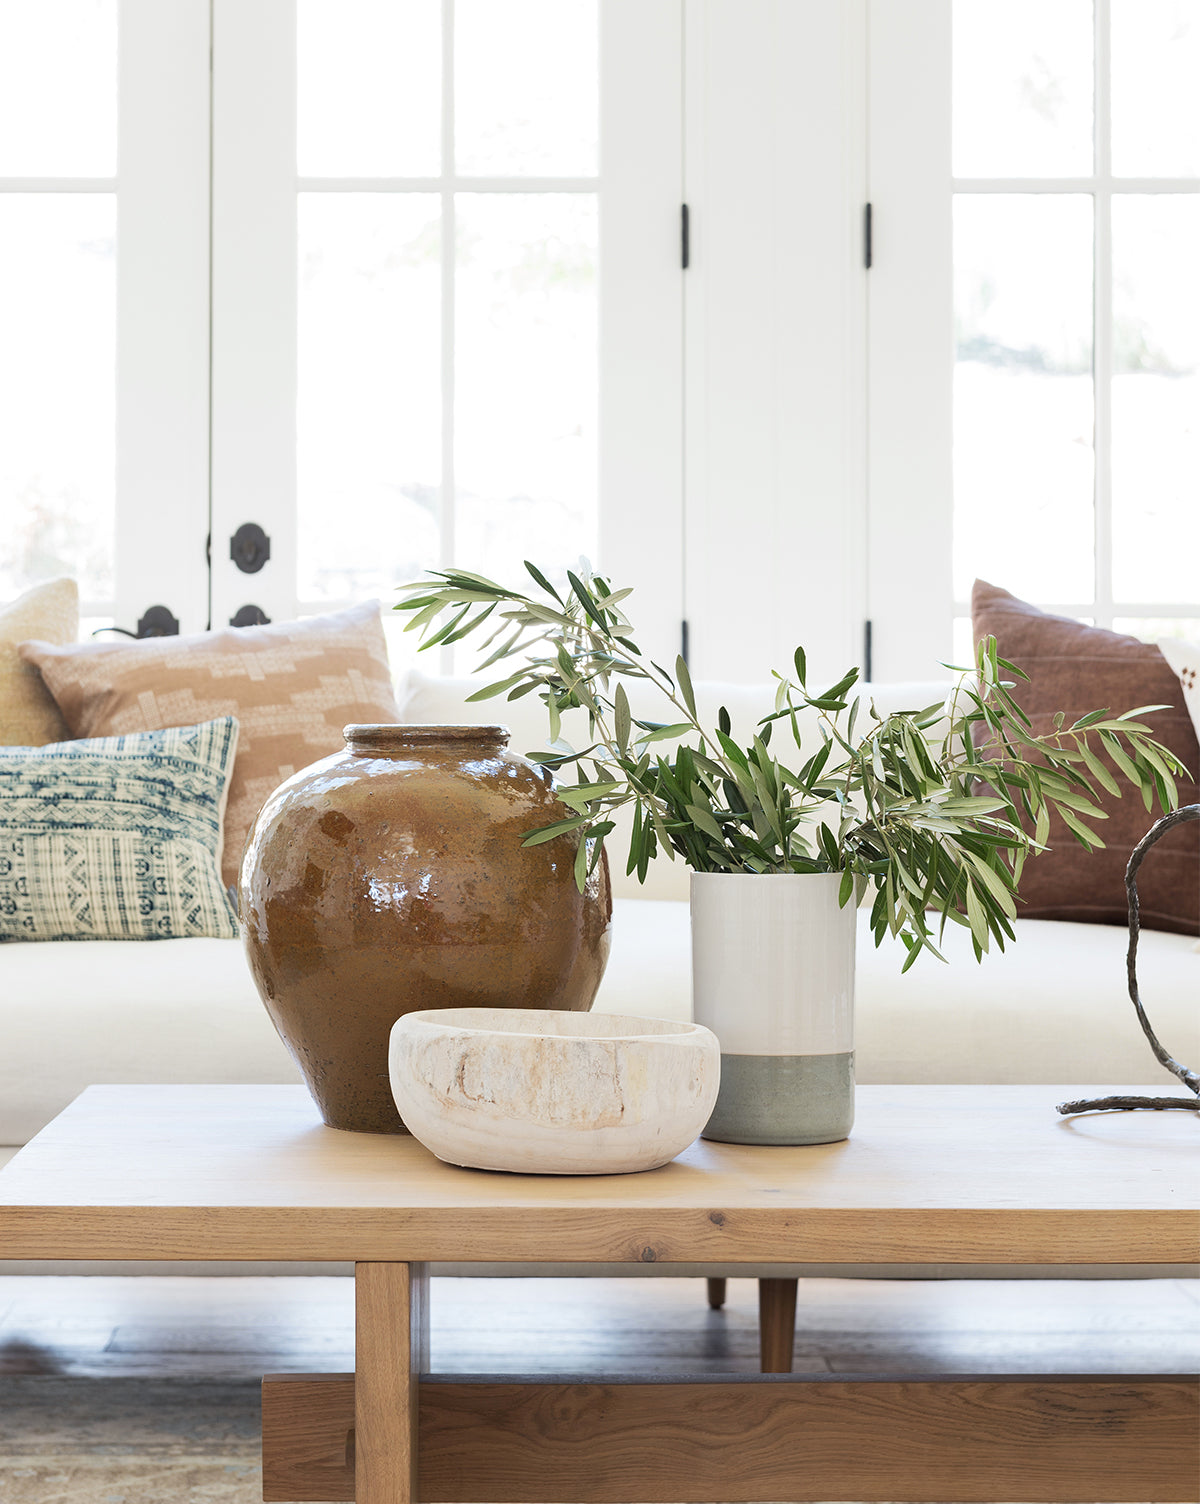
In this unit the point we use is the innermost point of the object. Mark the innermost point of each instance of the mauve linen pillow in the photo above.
(1075, 669)
(292, 686)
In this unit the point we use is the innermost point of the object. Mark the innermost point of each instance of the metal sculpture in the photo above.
(1190, 1078)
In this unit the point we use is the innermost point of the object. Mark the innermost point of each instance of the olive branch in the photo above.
(939, 822)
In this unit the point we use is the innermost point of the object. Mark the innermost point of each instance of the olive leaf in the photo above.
(937, 808)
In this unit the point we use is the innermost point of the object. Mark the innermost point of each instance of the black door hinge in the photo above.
(868, 237)
(685, 237)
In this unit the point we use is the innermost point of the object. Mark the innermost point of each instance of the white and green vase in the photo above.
(773, 978)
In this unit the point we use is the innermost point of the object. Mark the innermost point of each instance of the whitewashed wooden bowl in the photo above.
(550, 1093)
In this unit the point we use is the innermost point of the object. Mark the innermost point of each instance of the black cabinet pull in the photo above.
(249, 548)
(249, 616)
(158, 621)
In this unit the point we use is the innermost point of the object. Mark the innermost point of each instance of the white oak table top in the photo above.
(960, 1174)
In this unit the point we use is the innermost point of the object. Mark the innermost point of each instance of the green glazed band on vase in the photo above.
(773, 978)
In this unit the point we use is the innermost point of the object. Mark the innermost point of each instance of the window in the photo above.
(444, 315)
(446, 294)
(441, 320)
(1076, 236)
(58, 290)
(1042, 183)
(448, 290)
(104, 302)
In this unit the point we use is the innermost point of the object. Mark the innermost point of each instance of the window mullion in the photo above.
(1102, 353)
(448, 499)
(254, 299)
(448, 181)
(162, 417)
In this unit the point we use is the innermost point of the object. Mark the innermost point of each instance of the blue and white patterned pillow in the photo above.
(117, 837)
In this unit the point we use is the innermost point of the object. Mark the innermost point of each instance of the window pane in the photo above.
(369, 414)
(58, 88)
(526, 92)
(1022, 88)
(526, 377)
(369, 88)
(1023, 406)
(1156, 397)
(964, 643)
(1153, 628)
(1155, 88)
(57, 389)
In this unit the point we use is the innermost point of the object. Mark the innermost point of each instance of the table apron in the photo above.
(955, 1235)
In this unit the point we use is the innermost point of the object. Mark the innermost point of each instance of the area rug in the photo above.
(128, 1441)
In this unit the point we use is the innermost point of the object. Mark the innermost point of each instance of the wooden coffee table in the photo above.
(956, 1175)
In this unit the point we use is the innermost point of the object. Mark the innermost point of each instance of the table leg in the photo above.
(391, 1349)
(776, 1324)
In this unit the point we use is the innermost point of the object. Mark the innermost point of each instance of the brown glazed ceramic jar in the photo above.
(391, 877)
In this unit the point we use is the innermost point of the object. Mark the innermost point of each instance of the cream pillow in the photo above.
(1184, 658)
(29, 716)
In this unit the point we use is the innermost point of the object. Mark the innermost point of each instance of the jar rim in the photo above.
(390, 737)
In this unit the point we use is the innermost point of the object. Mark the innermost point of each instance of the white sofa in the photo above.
(1053, 1008)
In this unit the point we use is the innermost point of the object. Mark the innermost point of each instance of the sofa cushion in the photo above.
(1076, 669)
(1052, 1008)
(116, 838)
(1184, 658)
(291, 685)
(70, 1015)
(28, 715)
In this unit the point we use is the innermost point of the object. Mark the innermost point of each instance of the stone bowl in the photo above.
(552, 1093)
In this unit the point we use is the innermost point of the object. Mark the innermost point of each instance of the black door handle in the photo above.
(249, 548)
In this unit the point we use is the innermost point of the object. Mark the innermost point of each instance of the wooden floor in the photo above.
(239, 1328)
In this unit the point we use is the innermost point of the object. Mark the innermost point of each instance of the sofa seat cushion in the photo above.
(1052, 1008)
(124, 1011)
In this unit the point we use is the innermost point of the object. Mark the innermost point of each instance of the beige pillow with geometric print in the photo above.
(292, 686)
(28, 715)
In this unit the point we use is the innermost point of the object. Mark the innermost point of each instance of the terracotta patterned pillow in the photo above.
(28, 715)
(1075, 668)
(291, 685)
